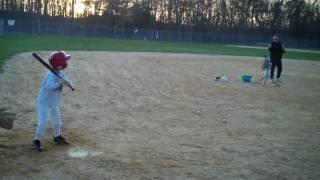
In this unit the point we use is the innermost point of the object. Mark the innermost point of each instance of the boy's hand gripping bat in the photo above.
(35, 55)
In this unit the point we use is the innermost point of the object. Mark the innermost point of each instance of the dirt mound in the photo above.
(163, 116)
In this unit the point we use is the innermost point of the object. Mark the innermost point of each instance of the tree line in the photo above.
(299, 18)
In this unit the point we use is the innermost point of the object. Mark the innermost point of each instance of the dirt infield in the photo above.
(162, 116)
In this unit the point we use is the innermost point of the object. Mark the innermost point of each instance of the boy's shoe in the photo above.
(60, 140)
(36, 145)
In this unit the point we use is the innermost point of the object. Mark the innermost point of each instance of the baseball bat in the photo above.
(35, 55)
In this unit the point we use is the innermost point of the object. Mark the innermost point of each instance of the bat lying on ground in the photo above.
(35, 55)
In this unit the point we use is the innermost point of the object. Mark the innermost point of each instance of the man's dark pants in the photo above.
(276, 63)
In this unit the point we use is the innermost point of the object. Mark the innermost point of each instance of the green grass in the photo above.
(15, 43)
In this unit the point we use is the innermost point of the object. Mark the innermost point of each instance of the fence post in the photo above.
(1, 26)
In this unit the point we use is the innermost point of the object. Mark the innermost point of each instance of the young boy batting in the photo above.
(48, 101)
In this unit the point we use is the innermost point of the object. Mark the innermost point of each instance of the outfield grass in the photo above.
(15, 43)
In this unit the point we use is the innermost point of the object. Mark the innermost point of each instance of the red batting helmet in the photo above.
(59, 59)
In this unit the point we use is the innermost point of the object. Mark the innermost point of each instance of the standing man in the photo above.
(276, 49)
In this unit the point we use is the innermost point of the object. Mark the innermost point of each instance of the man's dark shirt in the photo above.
(276, 50)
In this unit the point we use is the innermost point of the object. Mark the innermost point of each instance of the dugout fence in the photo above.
(75, 29)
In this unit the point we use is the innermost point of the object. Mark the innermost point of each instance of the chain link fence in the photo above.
(74, 29)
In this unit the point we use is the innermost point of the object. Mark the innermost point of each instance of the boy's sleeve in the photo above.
(65, 77)
(53, 82)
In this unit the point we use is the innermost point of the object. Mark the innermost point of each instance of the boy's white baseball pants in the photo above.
(45, 113)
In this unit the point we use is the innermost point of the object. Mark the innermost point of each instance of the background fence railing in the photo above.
(74, 29)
